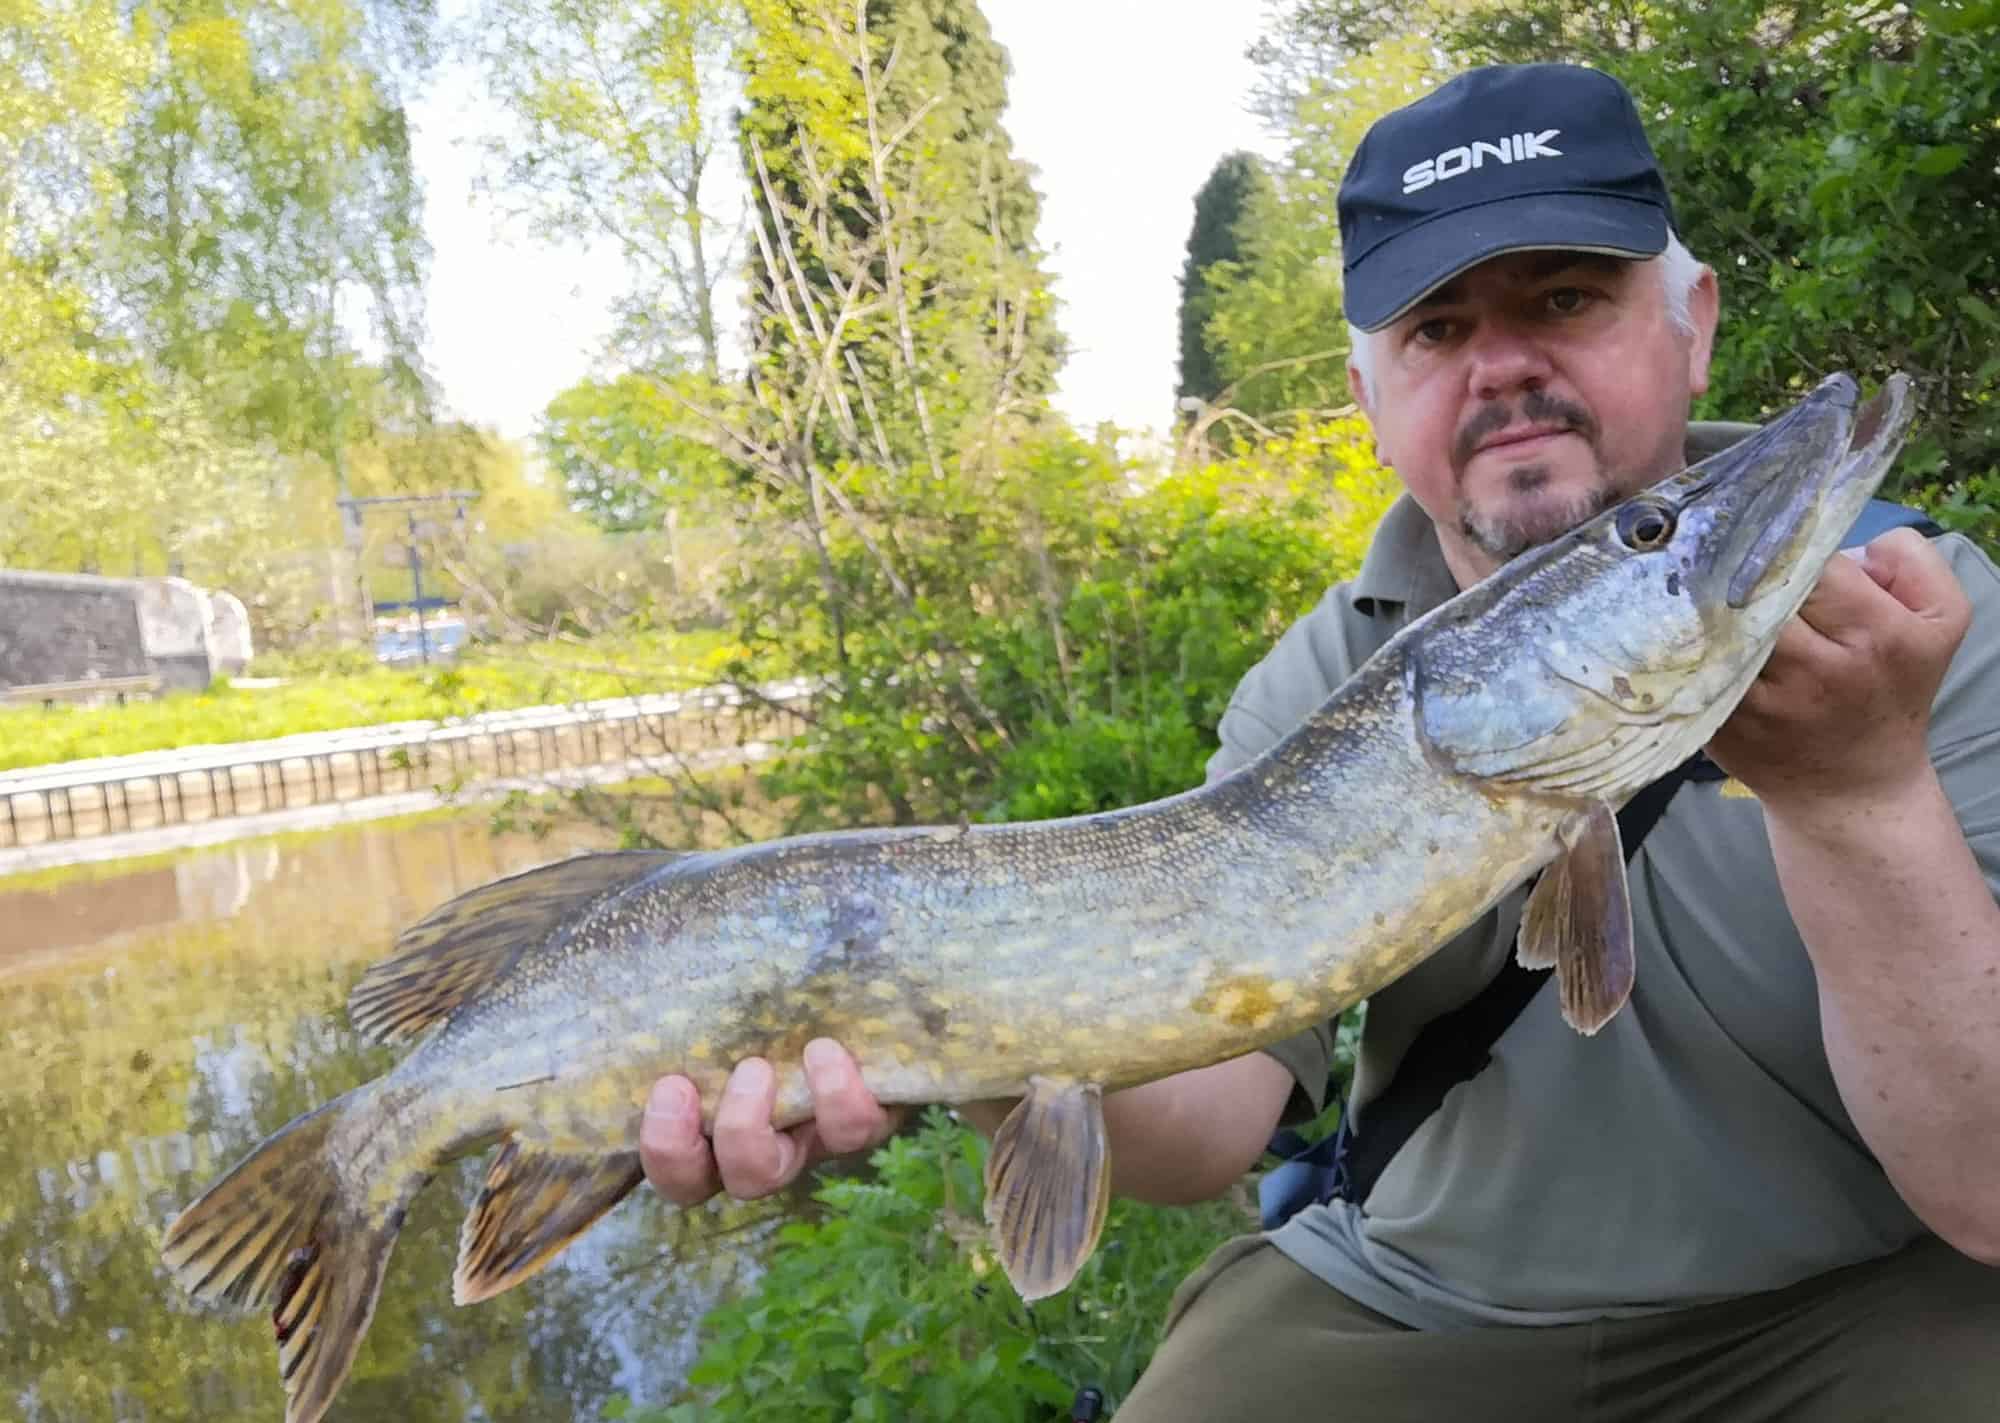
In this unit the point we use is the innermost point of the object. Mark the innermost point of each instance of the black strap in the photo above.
(1455, 1047)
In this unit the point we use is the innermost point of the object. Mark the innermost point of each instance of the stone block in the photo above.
(58, 627)
(229, 634)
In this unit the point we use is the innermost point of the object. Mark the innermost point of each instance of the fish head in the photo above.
(1596, 663)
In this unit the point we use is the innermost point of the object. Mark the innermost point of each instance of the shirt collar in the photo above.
(1405, 564)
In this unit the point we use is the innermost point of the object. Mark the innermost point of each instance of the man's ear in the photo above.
(1704, 307)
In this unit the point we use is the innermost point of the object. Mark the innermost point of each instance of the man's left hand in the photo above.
(1840, 712)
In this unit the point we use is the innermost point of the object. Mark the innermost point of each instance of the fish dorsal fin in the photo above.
(534, 1203)
(1048, 1184)
(1578, 919)
(466, 945)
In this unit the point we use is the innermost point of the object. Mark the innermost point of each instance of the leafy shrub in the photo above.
(1060, 636)
(1841, 172)
(892, 1306)
(1195, 580)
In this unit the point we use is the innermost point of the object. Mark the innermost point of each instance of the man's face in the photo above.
(1533, 391)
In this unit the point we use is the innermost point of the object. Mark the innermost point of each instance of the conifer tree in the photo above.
(1219, 210)
(956, 279)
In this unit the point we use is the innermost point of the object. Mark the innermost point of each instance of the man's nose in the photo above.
(1505, 358)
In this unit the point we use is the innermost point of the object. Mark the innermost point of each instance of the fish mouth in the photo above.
(1783, 498)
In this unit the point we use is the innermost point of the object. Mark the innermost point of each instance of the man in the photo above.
(1771, 1187)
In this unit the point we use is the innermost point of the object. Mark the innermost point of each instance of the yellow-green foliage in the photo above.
(1195, 579)
(1072, 629)
(490, 680)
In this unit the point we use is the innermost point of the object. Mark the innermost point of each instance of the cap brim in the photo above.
(1402, 271)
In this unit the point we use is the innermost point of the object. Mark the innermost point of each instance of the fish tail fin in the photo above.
(282, 1231)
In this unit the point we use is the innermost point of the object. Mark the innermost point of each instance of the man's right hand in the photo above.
(748, 1157)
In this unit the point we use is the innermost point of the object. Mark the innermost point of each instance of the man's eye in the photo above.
(1432, 332)
(1568, 301)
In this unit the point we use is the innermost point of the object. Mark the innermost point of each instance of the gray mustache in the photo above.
(1537, 407)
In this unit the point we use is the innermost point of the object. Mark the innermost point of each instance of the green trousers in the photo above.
(1913, 1338)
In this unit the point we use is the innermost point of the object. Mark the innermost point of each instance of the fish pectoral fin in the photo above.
(534, 1203)
(1578, 919)
(466, 945)
(1048, 1184)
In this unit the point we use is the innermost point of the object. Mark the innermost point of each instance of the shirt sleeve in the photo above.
(1965, 720)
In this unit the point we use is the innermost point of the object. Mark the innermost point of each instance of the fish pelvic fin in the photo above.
(534, 1203)
(279, 1233)
(463, 947)
(1578, 919)
(1048, 1185)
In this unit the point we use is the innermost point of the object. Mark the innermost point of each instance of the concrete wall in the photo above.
(73, 628)
(58, 627)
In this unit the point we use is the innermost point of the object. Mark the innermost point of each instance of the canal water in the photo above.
(158, 1019)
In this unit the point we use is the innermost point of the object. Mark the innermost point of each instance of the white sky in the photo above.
(1122, 106)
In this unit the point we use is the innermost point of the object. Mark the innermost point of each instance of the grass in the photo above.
(325, 694)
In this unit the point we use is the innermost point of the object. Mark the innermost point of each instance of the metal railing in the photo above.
(141, 792)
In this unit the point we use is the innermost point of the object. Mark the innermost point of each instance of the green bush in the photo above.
(1062, 639)
(1841, 170)
(892, 1306)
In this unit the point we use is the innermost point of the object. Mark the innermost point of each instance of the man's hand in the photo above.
(750, 1158)
(1839, 715)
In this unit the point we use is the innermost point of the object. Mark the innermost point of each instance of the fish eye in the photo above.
(1645, 526)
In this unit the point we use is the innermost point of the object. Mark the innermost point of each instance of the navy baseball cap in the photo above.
(1510, 158)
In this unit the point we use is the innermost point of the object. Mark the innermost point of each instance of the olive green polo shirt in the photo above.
(1694, 1150)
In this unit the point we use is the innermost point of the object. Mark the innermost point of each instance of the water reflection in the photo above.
(153, 1027)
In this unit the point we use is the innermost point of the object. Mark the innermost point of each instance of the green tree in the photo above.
(188, 191)
(891, 213)
(71, 67)
(1836, 163)
(263, 174)
(626, 453)
(1220, 210)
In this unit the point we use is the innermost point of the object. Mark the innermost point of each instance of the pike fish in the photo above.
(1053, 961)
